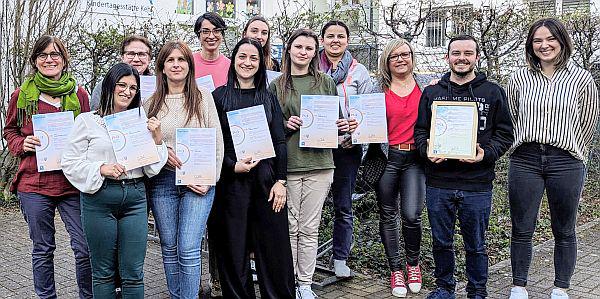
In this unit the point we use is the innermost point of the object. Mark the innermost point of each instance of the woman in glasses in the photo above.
(402, 184)
(49, 88)
(135, 51)
(113, 199)
(209, 29)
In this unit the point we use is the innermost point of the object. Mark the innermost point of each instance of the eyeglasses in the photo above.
(397, 57)
(132, 54)
(123, 86)
(53, 56)
(215, 32)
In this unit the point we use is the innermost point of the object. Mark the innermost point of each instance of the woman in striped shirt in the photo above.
(554, 109)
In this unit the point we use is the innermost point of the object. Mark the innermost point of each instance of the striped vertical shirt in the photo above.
(561, 111)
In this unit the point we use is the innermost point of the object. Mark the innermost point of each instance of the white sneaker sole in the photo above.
(399, 292)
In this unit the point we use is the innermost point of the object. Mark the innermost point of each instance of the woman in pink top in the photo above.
(209, 29)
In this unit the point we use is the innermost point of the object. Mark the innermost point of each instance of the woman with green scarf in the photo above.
(49, 89)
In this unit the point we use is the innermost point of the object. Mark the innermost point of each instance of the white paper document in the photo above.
(369, 112)
(319, 114)
(52, 129)
(131, 140)
(197, 150)
(250, 133)
(206, 82)
(147, 87)
(272, 75)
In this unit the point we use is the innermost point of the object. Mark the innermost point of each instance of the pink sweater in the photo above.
(218, 68)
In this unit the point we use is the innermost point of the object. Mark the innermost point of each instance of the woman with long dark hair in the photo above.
(113, 199)
(554, 106)
(310, 170)
(249, 213)
(49, 88)
(181, 212)
(351, 78)
(258, 28)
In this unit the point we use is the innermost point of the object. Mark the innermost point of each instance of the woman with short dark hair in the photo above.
(351, 78)
(554, 107)
(113, 199)
(49, 88)
(210, 30)
(135, 51)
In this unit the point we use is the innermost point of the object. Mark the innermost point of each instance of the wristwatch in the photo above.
(283, 182)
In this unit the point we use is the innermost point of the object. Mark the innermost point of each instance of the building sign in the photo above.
(225, 8)
(132, 8)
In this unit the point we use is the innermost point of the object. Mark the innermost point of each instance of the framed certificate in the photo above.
(453, 133)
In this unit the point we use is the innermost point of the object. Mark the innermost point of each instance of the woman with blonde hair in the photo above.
(181, 212)
(401, 189)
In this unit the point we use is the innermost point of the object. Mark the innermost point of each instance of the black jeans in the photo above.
(346, 163)
(534, 168)
(403, 180)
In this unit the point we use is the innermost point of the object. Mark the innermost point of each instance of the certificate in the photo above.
(197, 150)
(272, 75)
(369, 112)
(131, 140)
(250, 133)
(319, 114)
(206, 82)
(453, 130)
(53, 130)
(147, 86)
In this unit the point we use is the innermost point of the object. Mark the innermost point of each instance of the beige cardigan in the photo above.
(173, 116)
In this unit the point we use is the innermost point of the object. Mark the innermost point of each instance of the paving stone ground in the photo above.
(16, 281)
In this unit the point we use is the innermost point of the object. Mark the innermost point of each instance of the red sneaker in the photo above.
(414, 278)
(397, 284)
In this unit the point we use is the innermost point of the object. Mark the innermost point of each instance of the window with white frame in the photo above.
(436, 29)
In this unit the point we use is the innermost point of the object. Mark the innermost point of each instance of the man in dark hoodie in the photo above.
(463, 188)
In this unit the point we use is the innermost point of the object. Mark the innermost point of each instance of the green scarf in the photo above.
(33, 86)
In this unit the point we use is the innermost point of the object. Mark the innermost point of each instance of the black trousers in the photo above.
(402, 184)
(242, 220)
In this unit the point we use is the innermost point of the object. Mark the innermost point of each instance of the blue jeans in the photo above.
(473, 211)
(346, 163)
(534, 168)
(180, 216)
(39, 211)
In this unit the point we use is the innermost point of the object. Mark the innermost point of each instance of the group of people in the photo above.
(271, 208)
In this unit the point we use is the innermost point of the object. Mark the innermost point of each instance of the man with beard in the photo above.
(463, 188)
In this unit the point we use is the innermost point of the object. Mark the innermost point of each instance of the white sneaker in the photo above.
(341, 269)
(306, 292)
(559, 294)
(518, 293)
(298, 294)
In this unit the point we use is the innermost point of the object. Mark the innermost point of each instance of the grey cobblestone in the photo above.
(16, 281)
